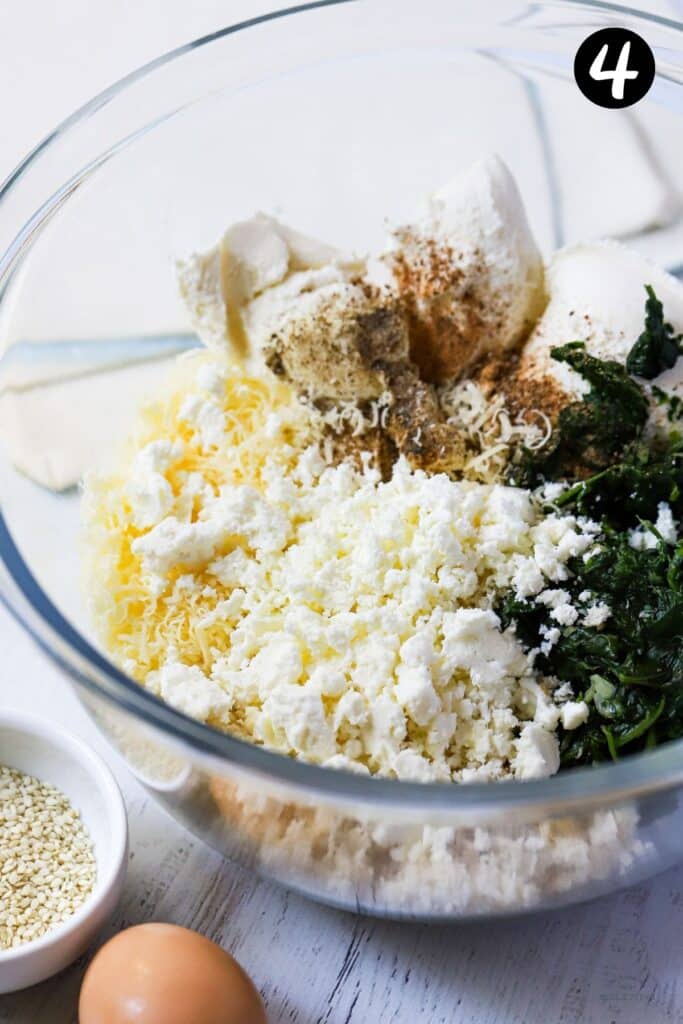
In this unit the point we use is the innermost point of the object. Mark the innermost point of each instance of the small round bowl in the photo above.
(56, 757)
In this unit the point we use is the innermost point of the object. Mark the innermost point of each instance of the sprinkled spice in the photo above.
(47, 864)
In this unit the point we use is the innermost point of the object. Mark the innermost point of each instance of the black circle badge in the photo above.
(614, 67)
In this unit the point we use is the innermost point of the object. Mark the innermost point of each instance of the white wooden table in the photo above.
(617, 960)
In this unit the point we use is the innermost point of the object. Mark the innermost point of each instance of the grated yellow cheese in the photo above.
(263, 422)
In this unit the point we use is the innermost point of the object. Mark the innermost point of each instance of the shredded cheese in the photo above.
(489, 430)
(262, 423)
(348, 415)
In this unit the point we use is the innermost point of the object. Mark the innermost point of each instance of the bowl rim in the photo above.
(661, 768)
(79, 751)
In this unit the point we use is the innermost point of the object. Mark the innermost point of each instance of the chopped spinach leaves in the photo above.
(592, 433)
(633, 487)
(673, 403)
(657, 348)
(630, 671)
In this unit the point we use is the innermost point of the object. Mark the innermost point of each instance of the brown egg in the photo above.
(162, 974)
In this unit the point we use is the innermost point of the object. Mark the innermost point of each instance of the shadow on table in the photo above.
(615, 959)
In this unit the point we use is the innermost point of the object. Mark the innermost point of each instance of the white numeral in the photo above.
(620, 73)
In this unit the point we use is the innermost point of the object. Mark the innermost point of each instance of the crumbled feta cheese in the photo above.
(188, 689)
(666, 524)
(273, 426)
(293, 719)
(565, 614)
(557, 539)
(551, 491)
(351, 709)
(352, 617)
(538, 753)
(563, 692)
(574, 713)
(151, 499)
(553, 598)
(528, 579)
(239, 512)
(413, 767)
(173, 543)
(562, 610)
(148, 491)
(539, 703)
(415, 692)
(343, 763)
(210, 378)
(551, 635)
(597, 615)
(643, 539)
(206, 418)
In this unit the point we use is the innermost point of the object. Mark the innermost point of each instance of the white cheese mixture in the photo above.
(324, 613)
(370, 859)
(467, 269)
(316, 608)
(597, 295)
(471, 269)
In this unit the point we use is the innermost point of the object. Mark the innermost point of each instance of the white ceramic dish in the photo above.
(57, 757)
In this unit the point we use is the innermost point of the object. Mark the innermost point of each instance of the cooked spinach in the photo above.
(674, 404)
(592, 433)
(633, 487)
(630, 672)
(657, 348)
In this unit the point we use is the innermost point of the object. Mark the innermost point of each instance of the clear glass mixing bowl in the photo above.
(330, 115)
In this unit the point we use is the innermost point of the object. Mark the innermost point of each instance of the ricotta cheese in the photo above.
(266, 292)
(470, 270)
(597, 295)
(464, 280)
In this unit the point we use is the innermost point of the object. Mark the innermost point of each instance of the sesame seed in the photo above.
(47, 862)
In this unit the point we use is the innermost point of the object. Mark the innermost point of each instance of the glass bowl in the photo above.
(331, 116)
